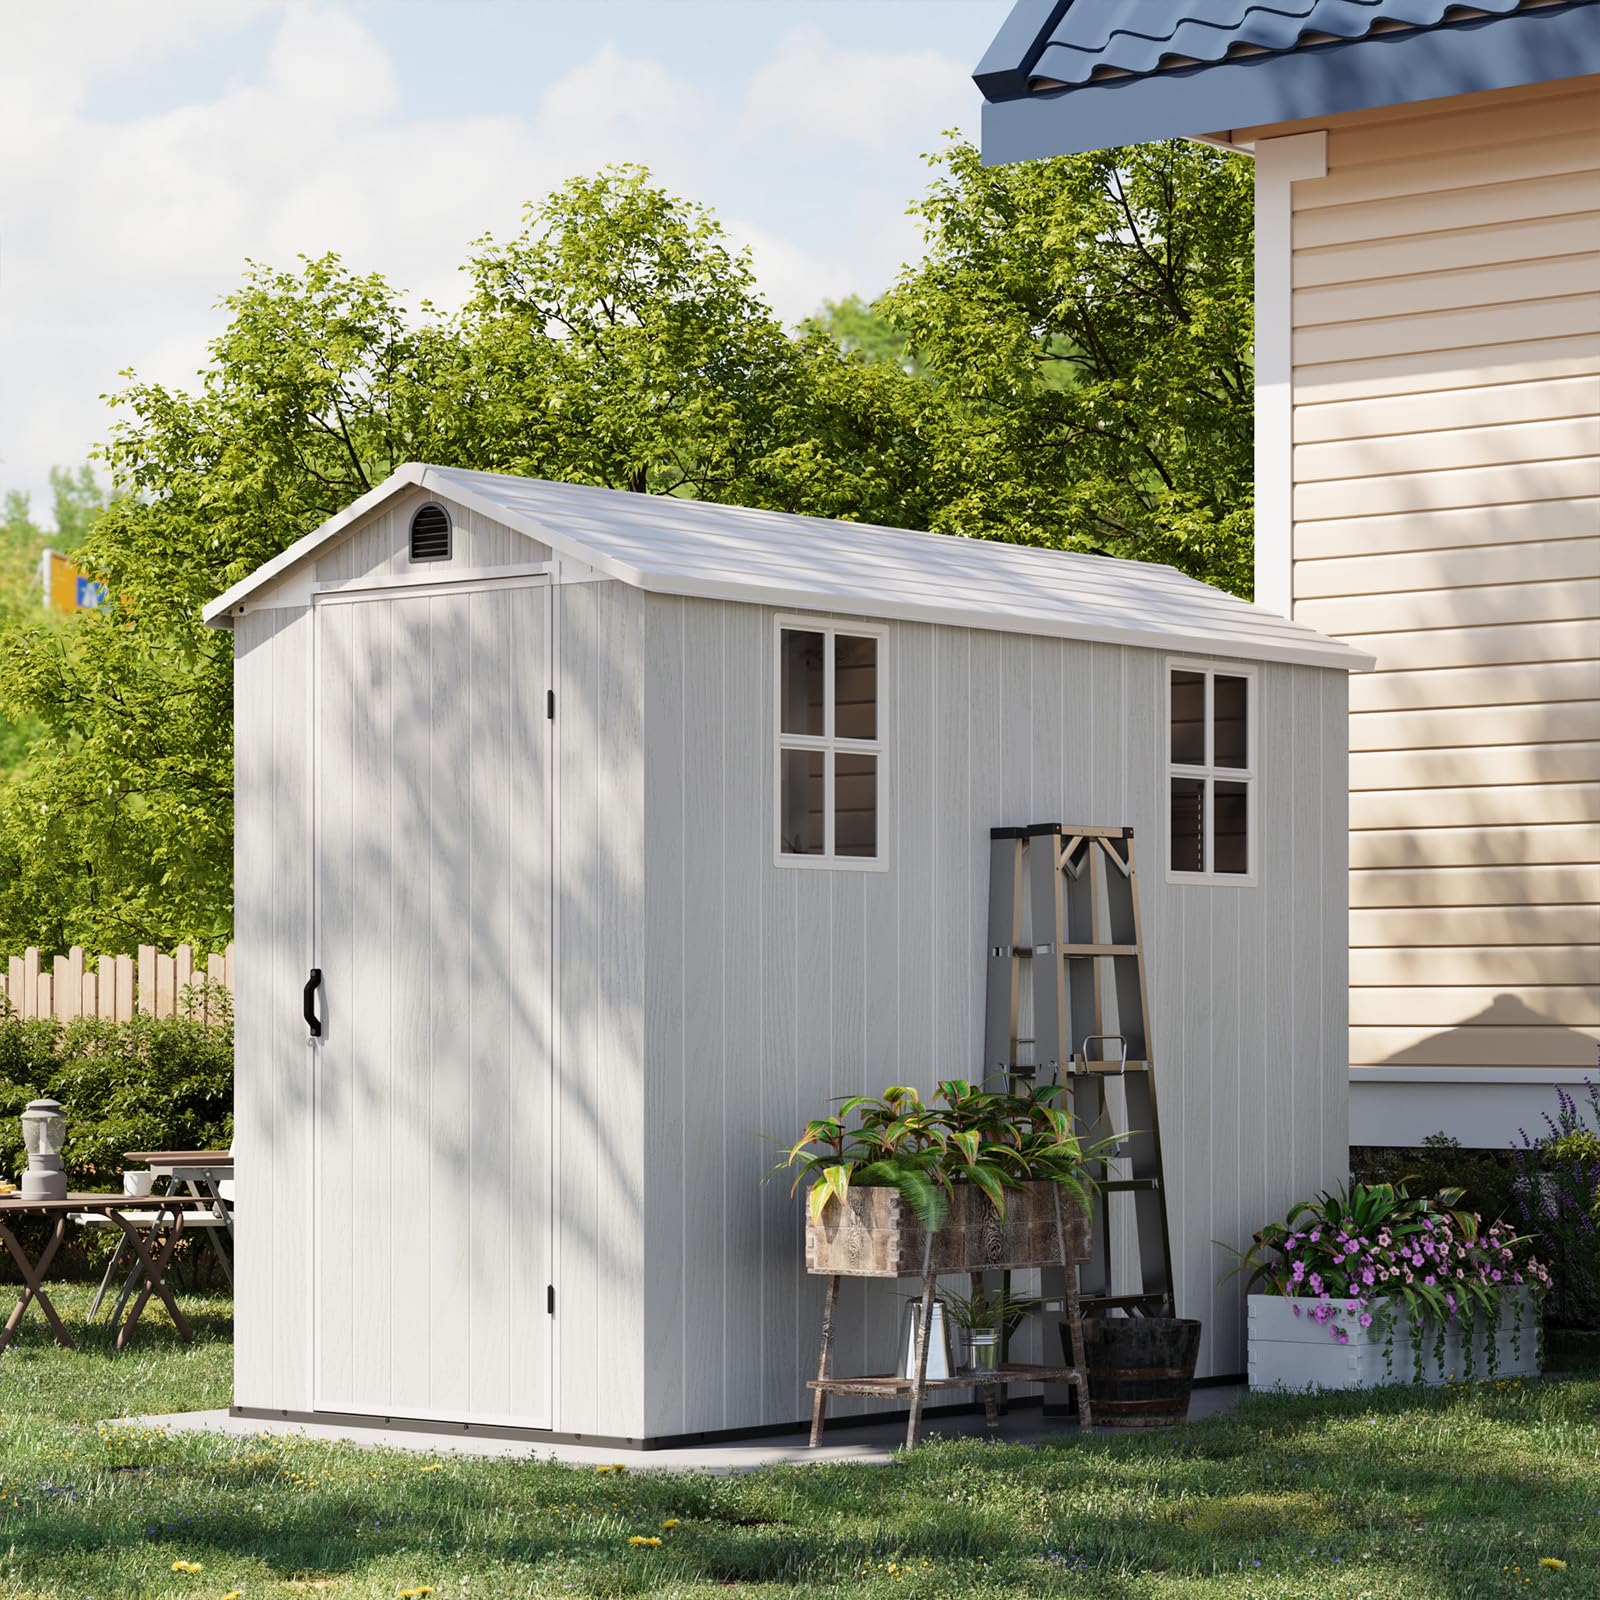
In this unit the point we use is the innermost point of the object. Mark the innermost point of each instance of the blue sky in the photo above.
(147, 149)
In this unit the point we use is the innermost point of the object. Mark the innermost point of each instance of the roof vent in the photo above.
(430, 533)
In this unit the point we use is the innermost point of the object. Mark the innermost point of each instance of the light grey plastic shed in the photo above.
(623, 832)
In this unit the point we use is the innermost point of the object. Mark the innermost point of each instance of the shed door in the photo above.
(432, 1196)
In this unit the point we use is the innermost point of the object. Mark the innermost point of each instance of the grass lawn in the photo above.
(1415, 1496)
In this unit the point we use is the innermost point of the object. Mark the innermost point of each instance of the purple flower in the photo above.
(1365, 1319)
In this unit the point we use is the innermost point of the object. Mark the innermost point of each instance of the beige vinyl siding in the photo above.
(1446, 353)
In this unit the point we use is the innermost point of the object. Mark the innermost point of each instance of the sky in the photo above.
(148, 148)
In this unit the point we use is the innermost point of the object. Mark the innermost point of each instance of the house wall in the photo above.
(770, 990)
(598, 989)
(1446, 516)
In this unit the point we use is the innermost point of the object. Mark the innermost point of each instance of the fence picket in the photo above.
(115, 988)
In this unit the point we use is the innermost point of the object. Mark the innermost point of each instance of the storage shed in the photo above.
(590, 841)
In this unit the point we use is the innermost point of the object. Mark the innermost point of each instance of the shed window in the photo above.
(1211, 798)
(430, 533)
(830, 755)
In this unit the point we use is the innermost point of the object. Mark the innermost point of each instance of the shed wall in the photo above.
(770, 990)
(379, 546)
(1446, 314)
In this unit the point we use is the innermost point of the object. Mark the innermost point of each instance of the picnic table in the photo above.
(130, 1213)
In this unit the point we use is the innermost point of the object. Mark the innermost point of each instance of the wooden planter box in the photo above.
(1290, 1352)
(874, 1234)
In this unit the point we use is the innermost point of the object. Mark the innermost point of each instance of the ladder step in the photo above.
(1073, 952)
(1121, 1302)
(1110, 1069)
(1130, 1185)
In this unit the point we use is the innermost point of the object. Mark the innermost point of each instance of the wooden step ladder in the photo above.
(1077, 891)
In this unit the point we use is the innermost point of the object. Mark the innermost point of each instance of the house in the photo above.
(1427, 473)
(590, 842)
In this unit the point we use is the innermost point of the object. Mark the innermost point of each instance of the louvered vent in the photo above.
(430, 534)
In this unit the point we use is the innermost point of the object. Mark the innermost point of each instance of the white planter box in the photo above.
(1290, 1352)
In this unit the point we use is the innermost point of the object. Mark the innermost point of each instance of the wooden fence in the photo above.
(117, 987)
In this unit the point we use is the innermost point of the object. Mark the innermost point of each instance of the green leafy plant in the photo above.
(1557, 1189)
(996, 1139)
(987, 1308)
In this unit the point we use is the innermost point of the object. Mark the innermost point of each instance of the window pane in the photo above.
(1189, 718)
(1230, 732)
(1230, 847)
(802, 681)
(1188, 824)
(801, 818)
(855, 687)
(855, 817)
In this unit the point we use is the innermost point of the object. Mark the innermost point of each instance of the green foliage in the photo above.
(994, 1139)
(855, 326)
(1557, 1191)
(1484, 1177)
(1093, 315)
(1072, 369)
(155, 1083)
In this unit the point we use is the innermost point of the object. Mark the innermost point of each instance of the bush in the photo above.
(1557, 1191)
(155, 1083)
(1486, 1177)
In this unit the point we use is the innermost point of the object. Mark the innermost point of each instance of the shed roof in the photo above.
(1070, 75)
(690, 547)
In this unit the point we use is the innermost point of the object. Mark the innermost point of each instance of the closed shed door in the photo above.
(431, 1209)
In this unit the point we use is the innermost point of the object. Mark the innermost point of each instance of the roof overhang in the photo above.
(1379, 69)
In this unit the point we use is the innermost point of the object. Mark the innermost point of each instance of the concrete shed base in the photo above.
(872, 1444)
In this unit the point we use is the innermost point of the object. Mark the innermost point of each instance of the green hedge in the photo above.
(151, 1084)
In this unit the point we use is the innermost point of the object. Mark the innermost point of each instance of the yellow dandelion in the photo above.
(234, 1594)
(1554, 1563)
(433, 1466)
(671, 1522)
(187, 1566)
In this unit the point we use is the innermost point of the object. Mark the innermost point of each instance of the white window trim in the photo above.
(829, 744)
(1249, 774)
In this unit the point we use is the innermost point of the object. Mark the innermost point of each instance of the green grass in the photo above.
(1397, 1496)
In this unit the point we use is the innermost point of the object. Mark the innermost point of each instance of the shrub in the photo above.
(1557, 1189)
(1486, 1178)
(155, 1083)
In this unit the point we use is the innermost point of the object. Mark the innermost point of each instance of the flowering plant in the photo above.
(1373, 1251)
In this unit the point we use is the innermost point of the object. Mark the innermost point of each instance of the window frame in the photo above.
(1249, 774)
(829, 743)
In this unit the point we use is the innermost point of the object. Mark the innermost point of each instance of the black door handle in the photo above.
(313, 983)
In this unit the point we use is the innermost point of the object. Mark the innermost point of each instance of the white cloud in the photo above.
(823, 91)
(120, 229)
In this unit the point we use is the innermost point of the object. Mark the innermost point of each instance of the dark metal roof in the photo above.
(1065, 75)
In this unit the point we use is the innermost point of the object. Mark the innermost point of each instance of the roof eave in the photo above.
(1502, 52)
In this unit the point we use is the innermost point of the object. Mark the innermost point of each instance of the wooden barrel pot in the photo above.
(1140, 1369)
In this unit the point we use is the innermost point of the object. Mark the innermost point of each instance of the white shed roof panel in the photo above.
(691, 547)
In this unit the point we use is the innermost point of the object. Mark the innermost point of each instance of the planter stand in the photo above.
(867, 1243)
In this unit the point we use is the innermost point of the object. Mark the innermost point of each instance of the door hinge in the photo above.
(550, 1299)
(550, 704)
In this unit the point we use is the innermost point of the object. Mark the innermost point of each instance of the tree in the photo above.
(616, 340)
(1068, 366)
(1090, 316)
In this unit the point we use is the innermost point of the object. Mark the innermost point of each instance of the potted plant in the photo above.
(1372, 1285)
(985, 1319)
(975, 1178)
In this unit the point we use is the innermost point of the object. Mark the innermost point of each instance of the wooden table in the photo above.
(154, 1254)
(194, 1172)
